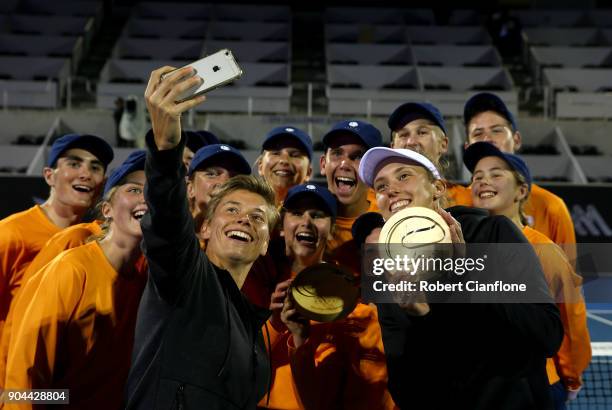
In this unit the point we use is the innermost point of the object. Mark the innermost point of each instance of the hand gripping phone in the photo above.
(216, 70)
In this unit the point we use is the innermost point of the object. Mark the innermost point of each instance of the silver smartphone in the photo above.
(216, 70)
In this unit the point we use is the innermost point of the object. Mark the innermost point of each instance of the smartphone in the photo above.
(216, 70)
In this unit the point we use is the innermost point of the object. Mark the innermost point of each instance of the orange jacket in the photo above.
(77, 330)
(458, 195)
(575, 353)
(68, 238)
(552, 218)
(342, 249)
(22, 235)
(342, 365)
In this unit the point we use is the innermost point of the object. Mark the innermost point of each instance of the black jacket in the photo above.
(474, 356)
(198, 341)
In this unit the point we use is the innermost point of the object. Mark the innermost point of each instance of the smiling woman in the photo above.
(481, 356)
(307, 224)
(501, 183)
(285, 160)
(84, 304)
(321, 366)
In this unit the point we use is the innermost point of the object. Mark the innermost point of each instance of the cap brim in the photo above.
(138, 165)
(114, 179)
(487, 102)
(96, 145)
(401, 111)
(332, 133)
(235, 162)
(194, 141)
(242, 166)
(289, 203)
(324, 292)
(293, 137)
(374, 156)
(475, 152)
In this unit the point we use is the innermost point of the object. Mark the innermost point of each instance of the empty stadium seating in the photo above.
(594, 145)
(32, 81)
(138, 27)
(465, 17)
(457, 56)
(90, 8)
(249, 13)
(570, 55)
(364, 33)
(166, 10)
(552, 36)
(260, 38)
(580, 92)
(374, 59)
(553, 18)
(363, 15)
(465, 35)
(158, 49)
(249, 31)
(373, 68)
(253, 51)
(41, 44)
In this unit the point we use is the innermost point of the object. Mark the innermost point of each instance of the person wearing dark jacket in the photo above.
(198, 342)
(461, 356)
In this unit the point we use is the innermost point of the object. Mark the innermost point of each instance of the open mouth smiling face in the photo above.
(238, 229)
(239, 236)
(306, 227)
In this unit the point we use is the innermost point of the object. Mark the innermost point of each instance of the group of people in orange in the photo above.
(176, 295)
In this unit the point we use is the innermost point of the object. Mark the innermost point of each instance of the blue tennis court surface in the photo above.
(597, 391)
(600, 321)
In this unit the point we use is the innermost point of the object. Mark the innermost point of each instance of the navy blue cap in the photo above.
(366, 132)
(223, 152)
(199, 139)
(134, 162)
(411, 111)
(289, 132)
(478, 150)
(96, 145)
(482, 102)
(323, 194)
(365, 224)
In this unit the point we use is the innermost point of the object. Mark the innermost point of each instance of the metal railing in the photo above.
(38, 161)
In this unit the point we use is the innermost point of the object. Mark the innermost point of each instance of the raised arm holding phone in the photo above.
(198, 340)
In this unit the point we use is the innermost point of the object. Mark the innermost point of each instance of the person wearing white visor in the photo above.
(462, 356)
